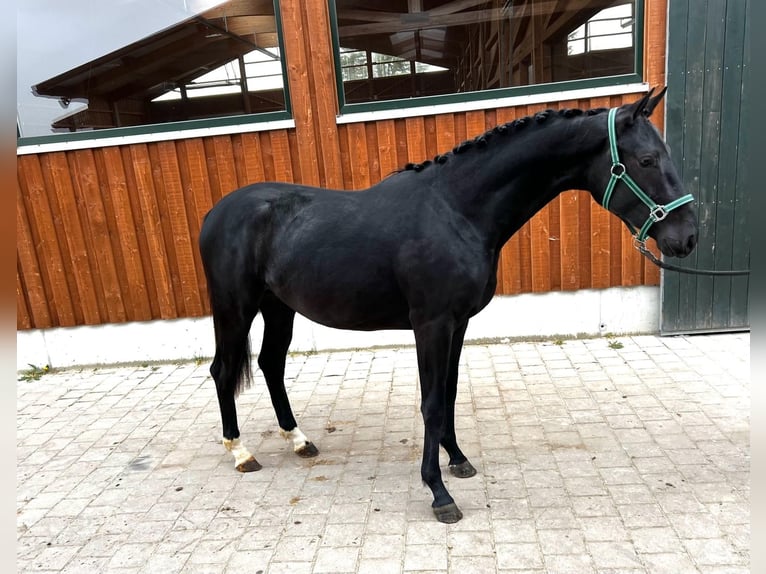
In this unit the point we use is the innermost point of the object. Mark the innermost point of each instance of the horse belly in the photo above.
(352, 311)
(347, 295)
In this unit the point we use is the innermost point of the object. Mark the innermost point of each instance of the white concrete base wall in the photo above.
(587, 312)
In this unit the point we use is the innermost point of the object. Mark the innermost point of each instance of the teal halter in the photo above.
(619, 173)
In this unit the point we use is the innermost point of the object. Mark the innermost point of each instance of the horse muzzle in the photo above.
(678, 245)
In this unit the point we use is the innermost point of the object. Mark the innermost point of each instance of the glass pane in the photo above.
(464, 46)
(223, 61)
(612, 42)
(385, 58)
(576, 47)
(604, 27)
(578, 33)
(388, 69)
(354, 73)
(421, 68)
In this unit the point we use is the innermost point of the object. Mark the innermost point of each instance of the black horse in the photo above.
(419, 251)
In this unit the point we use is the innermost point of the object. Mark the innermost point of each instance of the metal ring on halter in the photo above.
(622, 172)
(658, 213)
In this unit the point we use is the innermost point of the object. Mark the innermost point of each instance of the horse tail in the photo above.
(226, 247)
(231, 365)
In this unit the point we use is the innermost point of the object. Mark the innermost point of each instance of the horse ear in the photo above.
(637, 108)
(652, 103)
(642, 107)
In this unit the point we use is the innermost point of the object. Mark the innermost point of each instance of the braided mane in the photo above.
(483, 140)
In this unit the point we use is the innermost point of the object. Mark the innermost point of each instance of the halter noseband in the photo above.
(619, 173)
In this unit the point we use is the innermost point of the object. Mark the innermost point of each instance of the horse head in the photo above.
(635, 178)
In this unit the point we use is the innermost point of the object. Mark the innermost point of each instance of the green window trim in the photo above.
(423, 101)
(169, 127)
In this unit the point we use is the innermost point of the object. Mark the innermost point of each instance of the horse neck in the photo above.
(503, 185)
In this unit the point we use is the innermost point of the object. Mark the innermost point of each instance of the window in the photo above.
(396, 50)
(223, 61)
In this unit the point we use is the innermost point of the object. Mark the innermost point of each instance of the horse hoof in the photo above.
(449, 513)
(308, 450)
(250, 465)
(463, 470)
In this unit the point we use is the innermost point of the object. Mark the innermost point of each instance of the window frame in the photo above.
(637, 77)
(174, 130)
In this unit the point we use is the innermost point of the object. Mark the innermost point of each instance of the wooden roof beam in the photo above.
(427, 21)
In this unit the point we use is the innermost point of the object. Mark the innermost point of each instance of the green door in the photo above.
(706, 106)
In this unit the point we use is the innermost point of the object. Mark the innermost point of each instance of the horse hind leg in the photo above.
(231, 372)
(277, 334)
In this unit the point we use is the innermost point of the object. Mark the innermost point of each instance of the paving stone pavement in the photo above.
(611, 456)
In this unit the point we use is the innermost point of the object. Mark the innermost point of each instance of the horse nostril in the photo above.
(691, 243)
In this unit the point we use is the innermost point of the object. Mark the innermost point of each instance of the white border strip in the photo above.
(507, 102)
(156, 137)
(586, 312)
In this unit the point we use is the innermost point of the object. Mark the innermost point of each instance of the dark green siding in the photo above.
(707, 68)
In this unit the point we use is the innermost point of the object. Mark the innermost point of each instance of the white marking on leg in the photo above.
(235, 446)
(298, 439)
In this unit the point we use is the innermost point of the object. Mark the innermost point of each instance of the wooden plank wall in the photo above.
(109, 234)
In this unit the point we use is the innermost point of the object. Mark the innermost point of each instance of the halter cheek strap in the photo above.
(619, 173)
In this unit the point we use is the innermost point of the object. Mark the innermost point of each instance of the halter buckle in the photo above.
(639, 244)
(620, 170)
(658, 213)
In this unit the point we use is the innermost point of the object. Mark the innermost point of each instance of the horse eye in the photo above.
(647, 161)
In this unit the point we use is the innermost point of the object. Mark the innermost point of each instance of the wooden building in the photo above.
(110, 202)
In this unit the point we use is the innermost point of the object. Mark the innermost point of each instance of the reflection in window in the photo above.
(397, 49)
(223, 62)
(262, 73)
(364, 64)
(610, 29)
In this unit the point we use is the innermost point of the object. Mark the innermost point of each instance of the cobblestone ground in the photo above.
(609, 456)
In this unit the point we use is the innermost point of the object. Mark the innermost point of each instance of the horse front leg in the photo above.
(459, 466)
(433, 341)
